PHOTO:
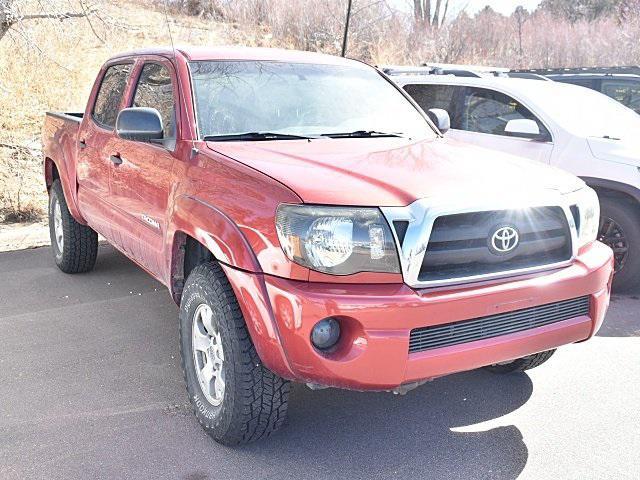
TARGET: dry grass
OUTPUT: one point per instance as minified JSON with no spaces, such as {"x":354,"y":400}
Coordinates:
{"x":53,"y":68}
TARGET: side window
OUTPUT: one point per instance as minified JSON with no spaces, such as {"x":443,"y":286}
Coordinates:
{"x":574,"y":81}
{"x":436,"y":96}
{"x":487,"y":111}
{"x":627,"y":93}
{"x":154,"y":90}
{"x":114,"y":82}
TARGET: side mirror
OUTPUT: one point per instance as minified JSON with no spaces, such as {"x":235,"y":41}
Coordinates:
{"x":522,"y":127}
{"x":140,"y":124}
{"x":441,"y":118}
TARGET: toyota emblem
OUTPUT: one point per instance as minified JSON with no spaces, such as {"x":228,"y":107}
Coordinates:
{"x":504,"y":239}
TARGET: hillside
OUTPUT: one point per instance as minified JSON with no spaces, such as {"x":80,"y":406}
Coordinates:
{"x":52,"y":65}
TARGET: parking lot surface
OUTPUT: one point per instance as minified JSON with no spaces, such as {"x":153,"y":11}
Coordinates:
{"x":91,"y":387}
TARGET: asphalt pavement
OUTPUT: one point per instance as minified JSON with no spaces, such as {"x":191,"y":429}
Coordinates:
{"x":91,"y":387}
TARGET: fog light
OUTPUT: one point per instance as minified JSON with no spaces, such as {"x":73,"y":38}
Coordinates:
{"x":325,"y":333}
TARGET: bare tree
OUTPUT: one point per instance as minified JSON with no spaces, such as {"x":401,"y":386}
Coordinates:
{"x":422,"y":13}
{"x":10,"y":16}
{"x":521,"y":16}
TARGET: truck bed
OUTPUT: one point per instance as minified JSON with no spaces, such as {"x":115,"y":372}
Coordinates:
{"x":71,"y":116}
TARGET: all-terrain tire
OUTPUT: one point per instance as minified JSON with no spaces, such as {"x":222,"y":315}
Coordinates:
{"x":628,"y":218}
{"x":255,"y":400}
{"x":78,"y":250}
{"x":522,"y":364}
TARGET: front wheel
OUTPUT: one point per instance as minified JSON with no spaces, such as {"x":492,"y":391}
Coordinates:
{"x":75,"y":246}
{"x":620,"y":230}
{"x":235,"y":398}
{"x":521,"y":364}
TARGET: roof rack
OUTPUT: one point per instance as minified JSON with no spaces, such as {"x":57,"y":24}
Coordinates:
{"x":634,"y":70}
{"x":527,"y":75}
{"x":429,"y":70}
{"x":469,"y":71}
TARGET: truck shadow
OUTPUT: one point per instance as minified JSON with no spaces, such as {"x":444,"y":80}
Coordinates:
{"x":341,"y":434}
{"x":622,"y":319}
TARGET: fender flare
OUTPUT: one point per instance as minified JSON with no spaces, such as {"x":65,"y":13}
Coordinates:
{"x":213,"y":229}
{"x":221,"y":236}
{"x":618,"y":187}
{"x":70,"y":193}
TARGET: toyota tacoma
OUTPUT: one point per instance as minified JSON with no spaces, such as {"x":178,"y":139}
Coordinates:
{"x":314,"y":225}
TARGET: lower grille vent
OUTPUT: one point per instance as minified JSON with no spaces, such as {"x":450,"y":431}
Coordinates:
{"x":427,"y":338}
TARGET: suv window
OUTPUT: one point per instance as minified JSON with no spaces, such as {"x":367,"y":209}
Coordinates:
{"x":574,"y":81}
{"x":107,"y":105}
{"x":432,"y":96}
{"x":488,"y":111}
{"x":627,"y":93}
{"x":154,"y":90}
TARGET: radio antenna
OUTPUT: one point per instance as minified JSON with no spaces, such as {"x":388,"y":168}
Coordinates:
{"x":194,"y":149}
{"x":166,"y":19}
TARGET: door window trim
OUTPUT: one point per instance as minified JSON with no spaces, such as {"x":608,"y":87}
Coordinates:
{"x":98,"y":123}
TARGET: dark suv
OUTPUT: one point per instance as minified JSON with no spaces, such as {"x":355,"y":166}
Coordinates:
{"x":620,"y":83}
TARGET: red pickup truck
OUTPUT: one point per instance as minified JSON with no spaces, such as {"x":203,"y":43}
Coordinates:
{"x":314,"y":225}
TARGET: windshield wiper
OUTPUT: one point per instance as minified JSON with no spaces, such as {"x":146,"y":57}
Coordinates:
{"x":362,"y":134}
{"x":255,"y":136}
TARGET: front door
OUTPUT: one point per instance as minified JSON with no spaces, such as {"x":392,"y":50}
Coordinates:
{"x":141,"y":179}
{"x":481,"y":120}
{"x":479,"y":117}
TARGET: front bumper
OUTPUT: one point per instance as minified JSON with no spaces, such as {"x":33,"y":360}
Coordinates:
{"x":376,"y":320}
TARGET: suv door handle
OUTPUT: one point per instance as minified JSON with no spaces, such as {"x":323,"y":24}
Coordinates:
{"x":116,"y":159}
{"x":82,"y":144}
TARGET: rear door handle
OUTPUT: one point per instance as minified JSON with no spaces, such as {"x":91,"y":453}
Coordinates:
{"x":116,"y":159}
{"x":82,"y":144}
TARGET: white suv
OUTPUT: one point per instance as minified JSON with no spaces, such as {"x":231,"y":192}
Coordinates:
{"x":571,"y":127}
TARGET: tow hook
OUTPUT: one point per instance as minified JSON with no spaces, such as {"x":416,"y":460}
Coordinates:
{"x":407,"y":387}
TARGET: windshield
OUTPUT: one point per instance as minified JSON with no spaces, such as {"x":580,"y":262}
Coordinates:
{"x":300,"y":99}
{"x":588,"y":113}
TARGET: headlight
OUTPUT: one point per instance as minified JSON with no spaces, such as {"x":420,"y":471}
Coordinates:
{"x":337,"y":240}
{"x":587,"y":218}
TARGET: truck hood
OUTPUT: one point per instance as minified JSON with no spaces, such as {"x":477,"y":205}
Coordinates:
{"x":392,"y":171}
{"x":625,"y":150}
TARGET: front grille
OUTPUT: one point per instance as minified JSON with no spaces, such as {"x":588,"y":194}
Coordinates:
{"x":460,"y":244}
{"x":438,"y":336}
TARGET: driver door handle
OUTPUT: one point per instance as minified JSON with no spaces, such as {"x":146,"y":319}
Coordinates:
{"x":116,"y":159}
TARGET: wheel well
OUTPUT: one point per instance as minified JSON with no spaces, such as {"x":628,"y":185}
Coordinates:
{"x":187,"y":253}
{"x":604,"y":192}
{"x":51,"y":172}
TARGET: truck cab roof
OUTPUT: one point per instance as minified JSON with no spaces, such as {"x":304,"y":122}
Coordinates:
{"x":190,"y":53}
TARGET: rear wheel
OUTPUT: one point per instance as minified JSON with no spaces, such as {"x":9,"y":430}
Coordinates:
{"x":74,"y":246}
{"x":235,"y":398}
{"x":521,"y":364}
{"x":620,"y":230}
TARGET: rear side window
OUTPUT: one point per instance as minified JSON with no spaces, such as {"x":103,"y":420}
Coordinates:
{"x":625,"y":92}
{"x":114,"y":82}
{"x":574,"y":81}
{"x":488,"y":111}
{"x":154,"y":90}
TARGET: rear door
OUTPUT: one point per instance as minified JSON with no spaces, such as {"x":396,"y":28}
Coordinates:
{"x":96,"y":137}
{"x":141,"y":183}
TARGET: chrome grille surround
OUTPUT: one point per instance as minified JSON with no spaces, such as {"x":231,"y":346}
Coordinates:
{"x":423,"y":213}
